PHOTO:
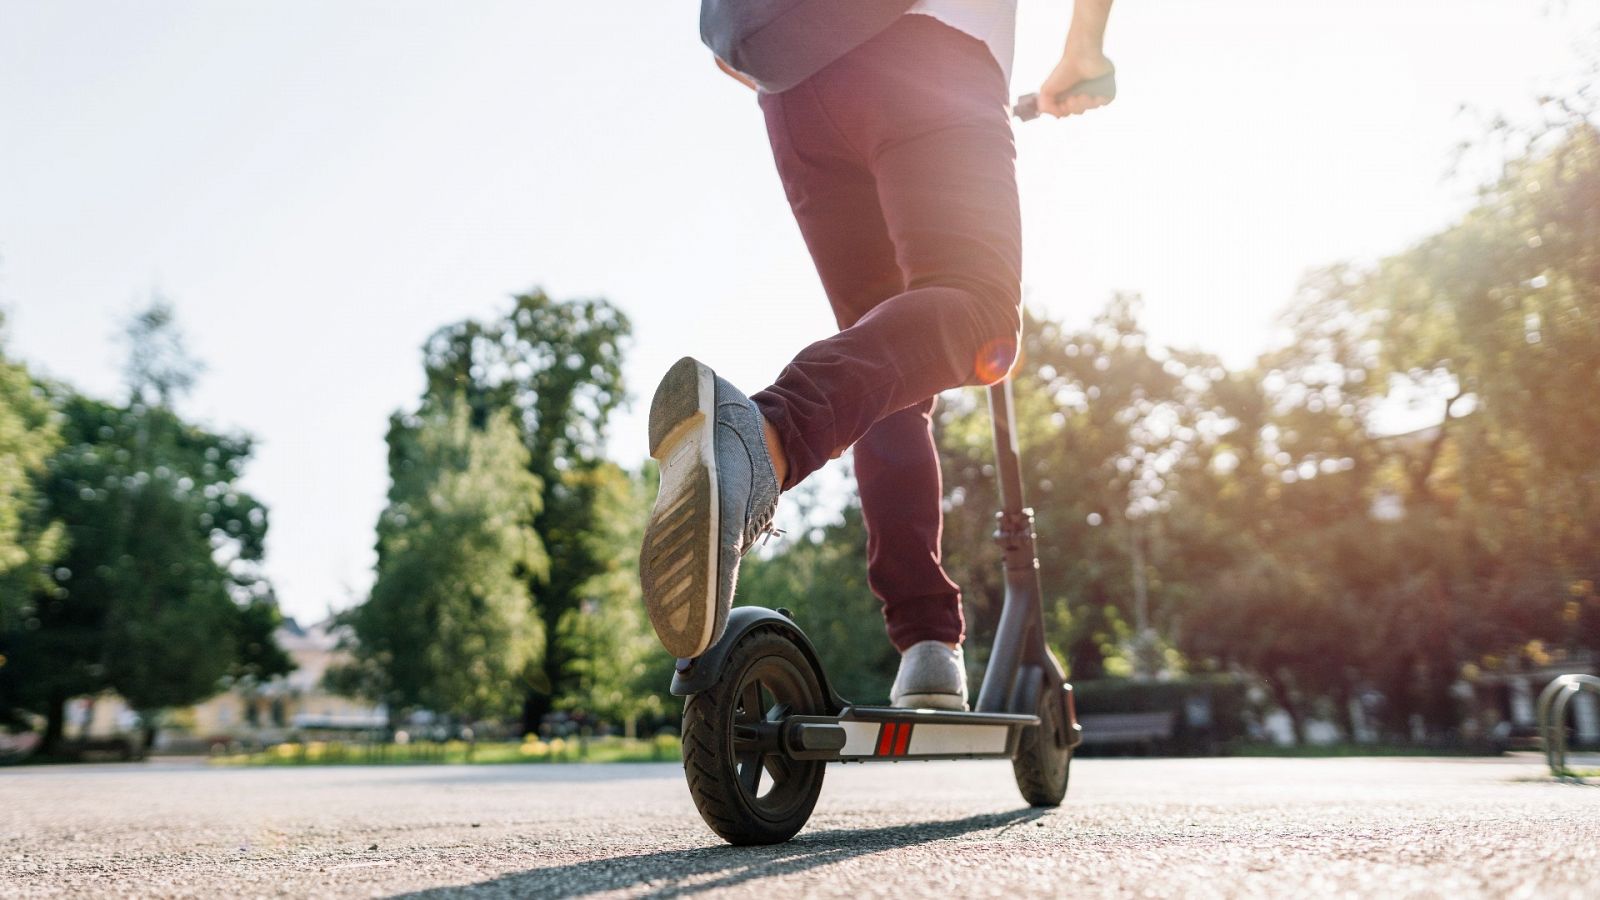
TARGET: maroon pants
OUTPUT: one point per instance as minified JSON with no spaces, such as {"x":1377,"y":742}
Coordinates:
{"x":899,"y":163}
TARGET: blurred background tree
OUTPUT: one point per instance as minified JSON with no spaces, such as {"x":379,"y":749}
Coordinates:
{"x":156,"y":590}
{"x":30,"y":540}
{"x":616,"y":670}
{"x":551,"y":372}
{"x":29,"y":434}
{"x":557,"y":367}
{"x":450,"y":625}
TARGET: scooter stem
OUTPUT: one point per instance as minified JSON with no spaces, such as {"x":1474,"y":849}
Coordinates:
{"x":1007,"y":459}
{"x":1019,"y":656}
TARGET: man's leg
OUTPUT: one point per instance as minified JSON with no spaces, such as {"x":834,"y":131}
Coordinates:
{"x":897,"y":471}
{"x":835,"y":201}
{"x":921,"y":106}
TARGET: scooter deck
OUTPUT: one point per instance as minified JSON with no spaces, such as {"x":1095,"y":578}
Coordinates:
{"x":889,"y":734}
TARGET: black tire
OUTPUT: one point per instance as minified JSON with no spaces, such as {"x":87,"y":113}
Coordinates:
{"x":730,"y":743}
{"x":1044,"y":758}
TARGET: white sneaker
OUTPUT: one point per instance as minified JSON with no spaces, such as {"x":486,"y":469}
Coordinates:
{"x":932,"y":676}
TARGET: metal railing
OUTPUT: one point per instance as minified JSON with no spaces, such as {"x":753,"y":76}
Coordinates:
{"x":1553,"y":717}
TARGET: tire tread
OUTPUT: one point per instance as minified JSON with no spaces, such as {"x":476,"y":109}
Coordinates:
{"x":708,"y":765}
{"x":1040,"y":772}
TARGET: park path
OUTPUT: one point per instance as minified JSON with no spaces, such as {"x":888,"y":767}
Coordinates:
{"x":1130,"y":828}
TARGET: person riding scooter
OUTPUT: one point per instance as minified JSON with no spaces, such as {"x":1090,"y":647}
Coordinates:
{"x":889,"y":126}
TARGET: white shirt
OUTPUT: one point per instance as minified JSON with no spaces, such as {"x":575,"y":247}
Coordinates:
{"x":992,"y":21}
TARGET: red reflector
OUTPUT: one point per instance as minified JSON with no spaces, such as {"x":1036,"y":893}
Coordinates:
{"x":885,"y":738}
{"x":902,"y":739}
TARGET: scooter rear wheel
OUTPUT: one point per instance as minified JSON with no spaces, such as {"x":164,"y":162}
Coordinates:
{"x":1044,"y":754}
{"x":742,"y":784}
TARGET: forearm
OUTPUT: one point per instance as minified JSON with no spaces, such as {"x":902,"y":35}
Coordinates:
{"x":1088,"y":30}
{"x":1078,"y":82}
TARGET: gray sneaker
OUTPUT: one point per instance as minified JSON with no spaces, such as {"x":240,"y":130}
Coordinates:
{"x":718,"y":494}
{"x":932,"y":676}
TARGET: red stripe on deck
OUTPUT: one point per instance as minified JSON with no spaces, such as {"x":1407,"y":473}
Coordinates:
{"x":902,"y":739}
{"x":885,"y":738}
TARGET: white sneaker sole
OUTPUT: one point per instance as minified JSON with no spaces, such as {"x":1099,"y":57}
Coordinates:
{"x":950,"y":702}
{"x":678,"y":562}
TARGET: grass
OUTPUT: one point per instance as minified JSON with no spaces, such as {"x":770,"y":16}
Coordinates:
{"x":557,"y":750}
{"x":1327,"y":751}
{"x":1579,"y":774}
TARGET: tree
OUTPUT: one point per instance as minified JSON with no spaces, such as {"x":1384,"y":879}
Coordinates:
{"x":159,"y":368}
{"x":29,"y":433}
{"x":557,"y":366}
{"x":29,"y":541}
{"x":1401,"y":561}
{"x":170,"y":622}
{"x":162,"y":551}
{"x":1099,"y":423}
{"x":1501,"y":313}
{"x":616,"y":669}
{"x":1270,"y":519}
{"x":450,"y":626}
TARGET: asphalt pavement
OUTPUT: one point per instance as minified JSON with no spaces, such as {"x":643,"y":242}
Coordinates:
{"x":1129,"y":828}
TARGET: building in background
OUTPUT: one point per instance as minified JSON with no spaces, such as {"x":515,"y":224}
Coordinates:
{"x":286,"y":707}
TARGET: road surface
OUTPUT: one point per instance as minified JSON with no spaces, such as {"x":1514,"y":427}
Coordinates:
{"x":1130,"y":828}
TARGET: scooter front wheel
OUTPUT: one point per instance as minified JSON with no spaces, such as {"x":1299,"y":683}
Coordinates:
{"x":1044,"y":754}
{"x":744,"y":786}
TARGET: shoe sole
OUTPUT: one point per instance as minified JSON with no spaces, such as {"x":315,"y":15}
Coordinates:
{"x":950,"y":702}
{"x":678,"y":562}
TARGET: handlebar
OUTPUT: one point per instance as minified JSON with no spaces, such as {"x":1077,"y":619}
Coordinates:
{"x":1027,"y":106}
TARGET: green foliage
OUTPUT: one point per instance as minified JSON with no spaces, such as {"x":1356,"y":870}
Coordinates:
{"x":158,"y":369}
{"x":450,"y":625}
{"x":1101,"y":422}
{"x":258,"y":658}
{"x":170,"y":623}
{"x":557,"y":366}
{"x":1505,"y":306}
{"x":158,"y":579}
{"x":29,"y":434}
{"x":617,"y":669}
{"x":1329,"y":558}
{"x":610,"y":749}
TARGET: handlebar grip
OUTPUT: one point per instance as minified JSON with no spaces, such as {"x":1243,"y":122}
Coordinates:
{"x":1027,"y":106}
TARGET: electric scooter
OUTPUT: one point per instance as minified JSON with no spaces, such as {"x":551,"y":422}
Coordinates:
{"x":760,"y":723}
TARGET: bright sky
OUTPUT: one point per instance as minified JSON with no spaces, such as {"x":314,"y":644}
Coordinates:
{"x":317,"y":186}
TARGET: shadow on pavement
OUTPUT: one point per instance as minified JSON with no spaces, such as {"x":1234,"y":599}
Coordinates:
{"x":667,"y":871}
